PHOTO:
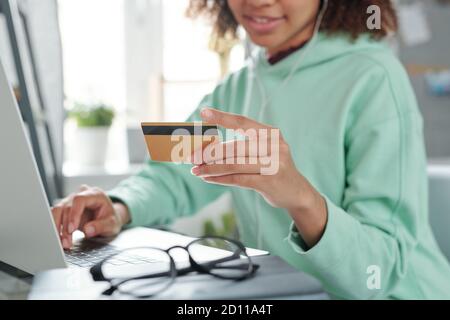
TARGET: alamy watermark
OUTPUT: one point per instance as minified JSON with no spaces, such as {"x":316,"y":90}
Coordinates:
{"x":259,"y":147}
{"x":374,"y":277}
{"x":374,"y":20}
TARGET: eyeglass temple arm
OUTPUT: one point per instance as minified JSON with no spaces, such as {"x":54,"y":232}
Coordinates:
{"x":235,"y":256}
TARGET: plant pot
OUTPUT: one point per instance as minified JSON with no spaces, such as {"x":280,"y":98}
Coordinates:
{"x":92,"y":145}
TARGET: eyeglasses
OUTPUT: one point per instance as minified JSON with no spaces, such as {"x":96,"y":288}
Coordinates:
{"x":216,"y":256}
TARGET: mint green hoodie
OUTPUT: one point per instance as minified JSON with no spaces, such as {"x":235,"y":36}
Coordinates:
{"x":352,"y":122}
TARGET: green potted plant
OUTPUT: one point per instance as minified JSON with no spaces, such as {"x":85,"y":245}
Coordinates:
{"x":93,"y":124}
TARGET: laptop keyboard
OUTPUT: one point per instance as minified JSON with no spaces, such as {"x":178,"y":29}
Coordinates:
{"x":87,"y":256}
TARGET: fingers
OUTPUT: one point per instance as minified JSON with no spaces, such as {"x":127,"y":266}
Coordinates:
{"x":66,"y":236}
{"x":59,"y":218}
{"x":81,"y":202}
{"x":247,"y":181}
{"x":85,"y":218}
{"x":230,"y":149}
{"x":230,"y":120}
{"x":77,"y":210}
{"x":242,"y":166}
{"x":104,"y":227}
{"x":261,"y":140}
{"x":233,"y":149}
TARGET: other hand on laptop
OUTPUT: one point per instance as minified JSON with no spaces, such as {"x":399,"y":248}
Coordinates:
{"x":90,"y":210}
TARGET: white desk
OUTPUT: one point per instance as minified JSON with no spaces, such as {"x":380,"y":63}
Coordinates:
{"x":78,"y":284}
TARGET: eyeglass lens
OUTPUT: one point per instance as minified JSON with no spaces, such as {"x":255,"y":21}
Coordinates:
{"x":132,"y":273}
{"x":221,"y":257}
{"x":141,"y":271}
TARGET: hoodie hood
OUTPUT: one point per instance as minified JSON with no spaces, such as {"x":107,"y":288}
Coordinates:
{"x":323,"y":49}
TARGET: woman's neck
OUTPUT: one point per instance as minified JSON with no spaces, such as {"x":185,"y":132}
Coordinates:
{"x":296,"y":41}
{"x":274,"y":59}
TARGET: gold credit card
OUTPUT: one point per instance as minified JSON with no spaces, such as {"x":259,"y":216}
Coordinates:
{"x":176,"y":141}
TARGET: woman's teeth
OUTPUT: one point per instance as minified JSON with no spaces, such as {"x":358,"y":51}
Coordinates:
{"x":261,"y":20}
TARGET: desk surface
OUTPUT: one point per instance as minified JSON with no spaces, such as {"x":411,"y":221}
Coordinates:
{"x":13,"y":286}
{"x":274,"y":280}
{"x":16,"y":285}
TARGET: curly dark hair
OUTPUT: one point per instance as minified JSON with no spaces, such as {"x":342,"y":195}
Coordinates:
{"x":342,"y":16}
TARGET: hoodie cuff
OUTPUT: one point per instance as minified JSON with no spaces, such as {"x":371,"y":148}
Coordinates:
{"x":335,"y":241}
{"x":119,"y":196}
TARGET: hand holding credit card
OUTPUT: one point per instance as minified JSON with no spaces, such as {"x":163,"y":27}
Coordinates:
{"x":176,"y":141}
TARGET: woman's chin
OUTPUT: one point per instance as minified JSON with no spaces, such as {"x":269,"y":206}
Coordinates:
{"x":266,"y":42}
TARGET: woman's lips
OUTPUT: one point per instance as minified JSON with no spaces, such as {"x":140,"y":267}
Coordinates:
{"x":261,"y":24}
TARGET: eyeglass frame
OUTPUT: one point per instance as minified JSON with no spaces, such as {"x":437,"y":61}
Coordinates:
{"x":202,"y":268}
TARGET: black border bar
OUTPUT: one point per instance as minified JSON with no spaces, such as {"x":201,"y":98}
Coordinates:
{"x":169,"y":130}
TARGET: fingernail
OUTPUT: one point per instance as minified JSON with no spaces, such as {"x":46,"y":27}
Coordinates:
{"x":66,"y":244}
{"x":71,"y":228}
{"x":90,"y":230}
{"x":195,"y":171}
{"x":207,"y":114}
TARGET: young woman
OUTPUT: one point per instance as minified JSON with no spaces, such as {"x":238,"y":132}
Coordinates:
{"x":349,"y":199}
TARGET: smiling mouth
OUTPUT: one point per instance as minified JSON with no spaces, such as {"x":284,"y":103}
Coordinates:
{"x":262,"y":20}
{"x":263,"y":24}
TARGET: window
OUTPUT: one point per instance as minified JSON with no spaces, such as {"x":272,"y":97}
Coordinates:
{"x":191,"y":69}
{"x":92,"y":36}
{"x":92,"y":33}
{"x":144,"y":57}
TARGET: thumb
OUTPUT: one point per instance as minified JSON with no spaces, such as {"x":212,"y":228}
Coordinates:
{"x":100,"y":227}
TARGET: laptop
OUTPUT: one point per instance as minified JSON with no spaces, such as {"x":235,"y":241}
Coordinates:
{"x":28,"y":237}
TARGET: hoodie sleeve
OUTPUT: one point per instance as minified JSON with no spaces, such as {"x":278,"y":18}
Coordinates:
{"x":162,"y":192}
{"x":369,"y":236}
